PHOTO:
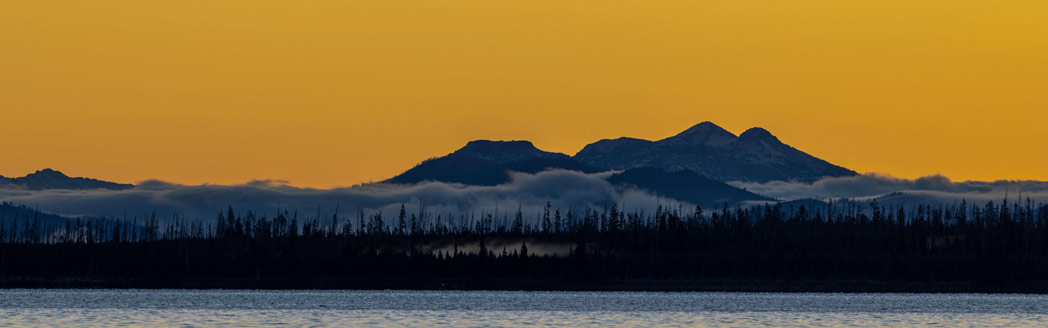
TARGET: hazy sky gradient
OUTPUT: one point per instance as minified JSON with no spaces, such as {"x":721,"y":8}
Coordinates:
{"x":328,"y":93}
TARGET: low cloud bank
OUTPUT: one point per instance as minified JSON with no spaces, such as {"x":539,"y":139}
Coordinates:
{"x":530,"y":192}
{"x":935,"y":187}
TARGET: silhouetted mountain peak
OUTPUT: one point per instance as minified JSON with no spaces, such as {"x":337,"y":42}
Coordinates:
{"x":488,"y":162}
{"x":47,"y":173}
{"x":759,"y":134}
{"x":705,"y":133}
{"x":503,"y":152}
{"x":52,"y":179}
{"x":483,"y":145}
{"x":605,"y":145}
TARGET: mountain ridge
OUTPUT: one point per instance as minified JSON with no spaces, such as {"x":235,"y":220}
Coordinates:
{"x":488,"y":163}
{"x":705,"y":148}
{"x":47,"y":179}
{"x":691,"y":165}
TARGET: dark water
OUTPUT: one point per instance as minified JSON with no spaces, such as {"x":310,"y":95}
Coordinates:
{"x":108,"y":308}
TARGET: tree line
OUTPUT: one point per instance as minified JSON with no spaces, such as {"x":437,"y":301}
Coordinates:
{"x":992,"y":246}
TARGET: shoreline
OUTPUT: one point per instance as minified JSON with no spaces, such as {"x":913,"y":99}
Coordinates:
{"x":800,"y":286}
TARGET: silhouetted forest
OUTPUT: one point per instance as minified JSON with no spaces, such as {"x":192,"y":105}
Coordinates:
{"x":997,"y":246}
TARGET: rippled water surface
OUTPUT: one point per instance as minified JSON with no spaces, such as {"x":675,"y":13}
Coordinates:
{"x":108,"y":308}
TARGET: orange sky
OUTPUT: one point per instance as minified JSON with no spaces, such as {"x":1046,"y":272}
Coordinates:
{"x":335,"y":92}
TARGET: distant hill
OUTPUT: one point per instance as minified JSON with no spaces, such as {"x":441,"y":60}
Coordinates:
{"x":709,"y":150}
{"x":685,"y":186}
{"x":487,"y":163}
{"x":51,"y":179}
{"x":21,"y":222}
{"x":21,"y":219}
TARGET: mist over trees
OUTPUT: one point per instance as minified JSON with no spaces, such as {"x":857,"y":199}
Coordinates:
{"x":992,"y":246}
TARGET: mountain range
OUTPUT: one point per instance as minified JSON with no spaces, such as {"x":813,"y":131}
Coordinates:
{"x":51,"y":179}
{"x":690,"y":166}
{"x":756,"y":155}
{"x":488,"y":163}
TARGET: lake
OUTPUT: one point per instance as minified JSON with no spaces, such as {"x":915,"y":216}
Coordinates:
{"x":109,"y":308}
